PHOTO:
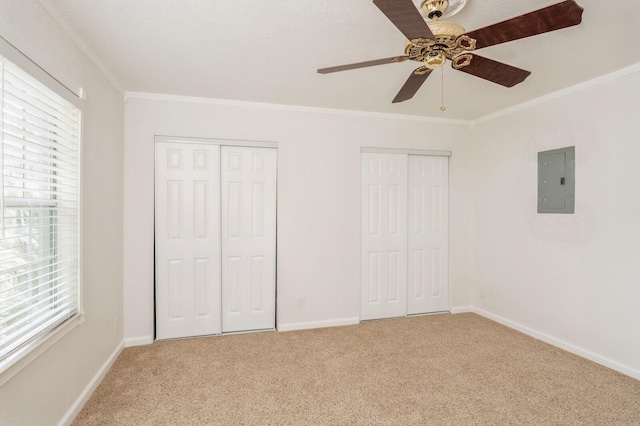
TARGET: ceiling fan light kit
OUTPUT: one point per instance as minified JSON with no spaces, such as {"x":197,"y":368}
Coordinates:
{"x":436,"y":42}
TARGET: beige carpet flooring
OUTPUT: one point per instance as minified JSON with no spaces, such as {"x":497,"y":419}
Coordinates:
{"x":442,"y":370}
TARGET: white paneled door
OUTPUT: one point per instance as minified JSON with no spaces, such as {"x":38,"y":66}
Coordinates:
{"x":428,"y":275}
{"x":404,"y":247}
{"x":248,"y":238}
{"x":187,"y":227}
{"x":215,"y":246}
{"x":383,"y":264}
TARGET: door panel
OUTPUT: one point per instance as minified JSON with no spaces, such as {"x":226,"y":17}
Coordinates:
{"x":248,"y":238}
{"x":428,"y":234}
{"x":187,"y":240}
{"x":384,"y":236}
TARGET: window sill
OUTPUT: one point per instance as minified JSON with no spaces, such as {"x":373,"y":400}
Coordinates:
{"x":21,"y":358}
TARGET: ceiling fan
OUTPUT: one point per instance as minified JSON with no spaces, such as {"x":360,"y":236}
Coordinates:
{"x":436,"y":42}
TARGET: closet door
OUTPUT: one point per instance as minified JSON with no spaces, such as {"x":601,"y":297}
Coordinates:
{"x":428,"y":234}
{"x":384,"y":236}
{"x":187,"y":232}
{"x":248,"y":238}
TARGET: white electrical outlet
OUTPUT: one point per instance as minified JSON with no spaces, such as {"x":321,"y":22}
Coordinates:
{"x":300,"y":303}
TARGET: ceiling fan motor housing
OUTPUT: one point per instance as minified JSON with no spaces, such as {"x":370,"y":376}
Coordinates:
{"x":448,"y":43}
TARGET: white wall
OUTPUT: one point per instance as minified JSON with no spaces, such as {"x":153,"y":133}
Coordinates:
{"x":44,"y":391}
{"x":573,"y":279}
{"x":318,"y":199}
{"x":570,"y":278}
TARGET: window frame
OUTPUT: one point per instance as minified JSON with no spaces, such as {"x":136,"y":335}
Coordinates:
{"x":21,"y":357}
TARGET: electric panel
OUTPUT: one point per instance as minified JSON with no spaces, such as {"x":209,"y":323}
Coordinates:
{"x":556,"y":181}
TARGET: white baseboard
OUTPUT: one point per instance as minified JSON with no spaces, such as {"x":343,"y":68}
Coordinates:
{"x":318,"y":324}
{"x":462,"y":309}
{"x":576,"y":350}
{"x":74,"y":410}
{"x":138,"y":341}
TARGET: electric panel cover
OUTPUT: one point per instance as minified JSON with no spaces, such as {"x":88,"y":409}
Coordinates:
{"x":557,"y":180}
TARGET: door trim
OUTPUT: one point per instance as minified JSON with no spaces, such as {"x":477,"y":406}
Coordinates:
{"x":216,"y":141}
{"x":408,"y":152}
{"x":427,"y":152}
{"x":159,"y":139}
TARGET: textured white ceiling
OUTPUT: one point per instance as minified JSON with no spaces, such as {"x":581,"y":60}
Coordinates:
{"x":268,"y":51}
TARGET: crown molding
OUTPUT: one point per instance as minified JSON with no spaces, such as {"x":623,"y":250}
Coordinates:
{"x":598,"y":81}
{"x":290,"y":108}
{"x":57,"y":16}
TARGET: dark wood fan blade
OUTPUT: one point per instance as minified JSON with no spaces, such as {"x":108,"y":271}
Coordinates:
{"x":491,"y":70}
{"x":405,"y":16}
{"x":413,"y":83}
{"x":555,"y":17}
{"x":363,"y":64}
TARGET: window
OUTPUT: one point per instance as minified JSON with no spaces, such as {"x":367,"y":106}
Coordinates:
{"x":39,"y":213}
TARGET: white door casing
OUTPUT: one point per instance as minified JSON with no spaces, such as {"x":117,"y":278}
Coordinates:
{"x":187,"y":232}
{"x":404,"y":259}
{"x":383,"y":236}
{"x":428,"y":234}
{"x":248,"y":238}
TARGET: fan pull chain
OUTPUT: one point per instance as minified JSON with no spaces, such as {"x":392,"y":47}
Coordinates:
{"x":442,"y":107}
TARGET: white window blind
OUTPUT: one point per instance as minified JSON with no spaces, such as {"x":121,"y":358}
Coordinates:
{"x":39,"y":211}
